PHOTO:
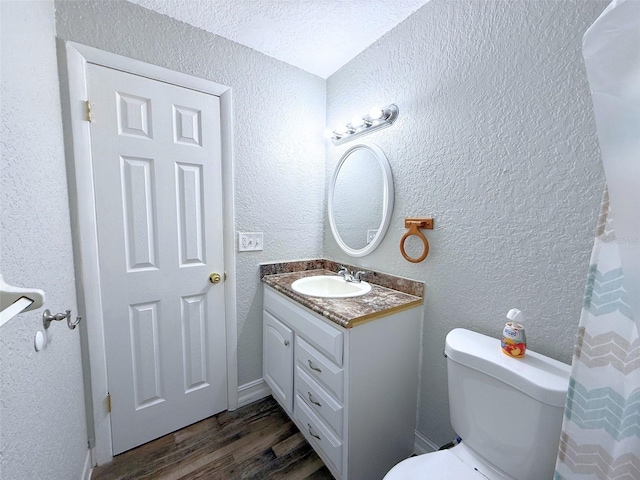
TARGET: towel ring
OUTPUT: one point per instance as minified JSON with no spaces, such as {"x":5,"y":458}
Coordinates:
{"x":414,"y":225}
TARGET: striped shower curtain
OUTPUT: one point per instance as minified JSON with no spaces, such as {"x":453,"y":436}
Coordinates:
{"x":600,"y":437}
{"x":601,"y":430}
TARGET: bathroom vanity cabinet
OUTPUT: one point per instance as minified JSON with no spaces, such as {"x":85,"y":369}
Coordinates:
{"x":352,"y":392}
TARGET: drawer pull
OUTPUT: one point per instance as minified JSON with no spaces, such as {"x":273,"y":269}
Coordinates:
{"x":311,"y":432}
{"x":314,"y":401}
{"x":286,"y":343}
{"x":312,"y":367}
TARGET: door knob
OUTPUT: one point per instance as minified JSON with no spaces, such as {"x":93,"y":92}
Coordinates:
{"x":215,"y":278}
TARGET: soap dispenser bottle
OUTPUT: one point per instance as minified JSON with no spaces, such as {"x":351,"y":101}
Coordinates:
{"x":514,"y":341}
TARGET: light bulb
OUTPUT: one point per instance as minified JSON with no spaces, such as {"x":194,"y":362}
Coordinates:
{"x":357,"y":121}
{"x":342,"y":129}
{"x":376,"y":113}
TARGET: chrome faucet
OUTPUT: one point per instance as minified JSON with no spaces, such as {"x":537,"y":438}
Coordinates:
{"x":344,"y":273}
{"x":350,"y":277}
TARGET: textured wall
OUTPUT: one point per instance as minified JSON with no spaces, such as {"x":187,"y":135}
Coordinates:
{"x":43,"y":433}
{"x":496,"y":141}
{"x":278,"y":118}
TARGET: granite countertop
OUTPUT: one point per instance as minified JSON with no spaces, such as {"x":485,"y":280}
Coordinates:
{"x":346,"y":312}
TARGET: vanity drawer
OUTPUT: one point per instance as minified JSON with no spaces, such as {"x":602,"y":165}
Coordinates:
{"x":328,"y":446}
{"x":319,"y":401}
{"x":325,"y":337}
{"x":320,"y":368}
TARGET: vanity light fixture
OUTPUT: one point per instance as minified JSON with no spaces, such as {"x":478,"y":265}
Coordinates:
{"x":376,"y":119}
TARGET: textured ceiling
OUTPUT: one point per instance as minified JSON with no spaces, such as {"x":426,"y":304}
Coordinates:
{"x":319,"y":36}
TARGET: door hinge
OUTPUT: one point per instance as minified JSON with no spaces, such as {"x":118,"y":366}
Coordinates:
{"x":108,"y":400}
{"x":88,"y":105}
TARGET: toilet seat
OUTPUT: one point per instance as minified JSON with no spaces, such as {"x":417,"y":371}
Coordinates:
{"x":441,"y":465}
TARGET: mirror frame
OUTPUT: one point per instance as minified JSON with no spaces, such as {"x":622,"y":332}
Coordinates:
{"x":387,"y":200}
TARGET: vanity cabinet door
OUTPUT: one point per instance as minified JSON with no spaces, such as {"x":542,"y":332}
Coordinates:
{"x":278,"y":360}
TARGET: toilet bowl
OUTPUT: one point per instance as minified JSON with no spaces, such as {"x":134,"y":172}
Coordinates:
{"x":508,"y":412}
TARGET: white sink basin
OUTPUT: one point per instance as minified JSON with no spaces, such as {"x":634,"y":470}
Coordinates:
{"x":330,"y":286}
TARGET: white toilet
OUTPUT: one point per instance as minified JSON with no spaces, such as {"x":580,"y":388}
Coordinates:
{"x":507,"y":411}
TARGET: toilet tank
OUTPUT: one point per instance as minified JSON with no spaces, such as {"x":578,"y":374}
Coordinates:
{"x":507,"y":410}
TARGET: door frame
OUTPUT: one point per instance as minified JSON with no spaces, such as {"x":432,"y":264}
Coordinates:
{"x":73,"y":59}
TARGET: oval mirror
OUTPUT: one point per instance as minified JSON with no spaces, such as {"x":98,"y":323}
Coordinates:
{"x":360,"y":199}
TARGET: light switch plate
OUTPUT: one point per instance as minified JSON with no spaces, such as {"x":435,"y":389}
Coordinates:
{"x":250,"y":241}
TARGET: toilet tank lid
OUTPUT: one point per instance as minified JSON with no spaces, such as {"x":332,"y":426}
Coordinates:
{"x":540,"y":377}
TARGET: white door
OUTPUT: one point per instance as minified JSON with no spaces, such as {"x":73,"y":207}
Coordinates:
{"x":156,"y":157}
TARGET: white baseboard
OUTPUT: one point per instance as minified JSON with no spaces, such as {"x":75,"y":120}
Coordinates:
{"x":252,"y":391}
{"x":423,"y":445}
{"x":87,"y":469}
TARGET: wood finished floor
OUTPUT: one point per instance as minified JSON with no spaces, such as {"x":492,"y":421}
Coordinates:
{"x":258,"y":441}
